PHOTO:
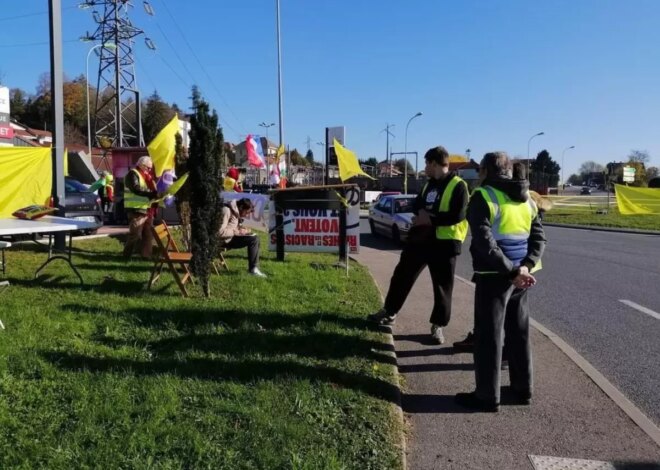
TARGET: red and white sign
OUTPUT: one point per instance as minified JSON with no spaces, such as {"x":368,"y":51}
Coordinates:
{"x":317,"y":230}
{"x":6,"y":132}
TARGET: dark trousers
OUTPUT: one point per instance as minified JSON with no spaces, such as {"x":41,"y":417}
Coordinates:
{"x":500,"y":309}
{"x":252,"y":243}
{"x":414,"y":258}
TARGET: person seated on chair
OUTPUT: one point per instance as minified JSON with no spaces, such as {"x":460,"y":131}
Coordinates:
{"x":233,"y":234}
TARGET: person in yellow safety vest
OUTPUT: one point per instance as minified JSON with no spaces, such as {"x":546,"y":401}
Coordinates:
{"x":139,"y":191}
{"x":507,"y":245}
{"x":435,"y":238}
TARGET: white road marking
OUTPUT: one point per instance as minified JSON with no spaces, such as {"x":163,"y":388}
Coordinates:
{"x":640,"y":308}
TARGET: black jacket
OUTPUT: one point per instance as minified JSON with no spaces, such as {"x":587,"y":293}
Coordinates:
{"x":457,"y":208}
{"x":486,"y":255}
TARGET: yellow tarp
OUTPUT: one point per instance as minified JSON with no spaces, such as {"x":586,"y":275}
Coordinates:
{"x":162,"y":148}
{"x":348,"y":162}
{"x":26,"y":178}
{"x":635,"y":201}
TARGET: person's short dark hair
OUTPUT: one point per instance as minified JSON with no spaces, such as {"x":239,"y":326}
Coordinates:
{"x":437,"y":154}
{"x":496,"y":164}
{"x":244,"y":204}
{"x":519,"y":171}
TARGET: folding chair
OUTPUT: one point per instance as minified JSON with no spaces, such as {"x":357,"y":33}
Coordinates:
{"x":221,"y":261}
{"x":168,"y":253}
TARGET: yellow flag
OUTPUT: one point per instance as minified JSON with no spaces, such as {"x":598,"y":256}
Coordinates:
{"x":66,"y":162}
{"x":162,"y":148}
{"x":634,"y":201}
{"x":348,"y":162}
{"x":280,"y":151}
{"x":26,"y":177}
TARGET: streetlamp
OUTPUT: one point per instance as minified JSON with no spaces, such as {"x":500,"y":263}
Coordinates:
{"x":563,"y":181}
{"x":405,"y":155}
{"x":528,"y":142}
{"x":107,"y":45}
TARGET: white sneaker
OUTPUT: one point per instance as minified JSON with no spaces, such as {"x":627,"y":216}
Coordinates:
{"x":256,"y":272}
{"x":436,"y":334}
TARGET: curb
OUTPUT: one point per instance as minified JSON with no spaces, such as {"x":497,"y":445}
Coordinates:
{"x":603,"y":229}
{"x":635,"y":414}
{"x":398,"y":406}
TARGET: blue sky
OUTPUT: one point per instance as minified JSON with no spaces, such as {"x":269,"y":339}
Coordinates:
{"x":486,"y":74}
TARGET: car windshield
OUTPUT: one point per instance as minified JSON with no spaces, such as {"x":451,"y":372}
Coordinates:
{"x":73,"y":186}
{"x":403,"y":205}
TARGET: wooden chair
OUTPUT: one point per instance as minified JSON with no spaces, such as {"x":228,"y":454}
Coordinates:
{"x":221,"y":261}
{"x":169,"y":254}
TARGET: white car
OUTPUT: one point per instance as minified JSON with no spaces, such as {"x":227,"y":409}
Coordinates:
{"x":392,"y":216}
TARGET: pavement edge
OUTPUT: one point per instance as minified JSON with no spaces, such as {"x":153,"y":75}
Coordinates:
{"x":398,"y":405}
{"x":634,"y":413}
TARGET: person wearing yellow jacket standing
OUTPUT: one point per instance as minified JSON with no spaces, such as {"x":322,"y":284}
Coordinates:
{"x":139,"y":192}
{"x":435,"y":239}
{"x":507,"y":244}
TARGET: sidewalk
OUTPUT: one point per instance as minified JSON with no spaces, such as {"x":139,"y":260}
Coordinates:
{"x":570,"y":416}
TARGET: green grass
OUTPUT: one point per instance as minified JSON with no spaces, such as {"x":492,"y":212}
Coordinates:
{"x":589,"y":216}
{"x":277,"y":373}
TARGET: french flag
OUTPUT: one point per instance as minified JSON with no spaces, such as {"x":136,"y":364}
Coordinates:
{"x":255,"y":153}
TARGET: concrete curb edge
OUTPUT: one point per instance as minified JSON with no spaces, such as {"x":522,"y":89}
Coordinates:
{"x":398,"y":406}
{"x":634,"y":413}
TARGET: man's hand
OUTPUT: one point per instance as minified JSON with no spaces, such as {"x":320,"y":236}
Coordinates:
{"x":422,"y":218}
{"x":524,"y":279}
{"x":244,"y":231}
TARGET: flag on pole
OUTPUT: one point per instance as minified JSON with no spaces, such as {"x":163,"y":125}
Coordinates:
{"x":255,"y":152}
{"x":636,"y":201}
{"x":348,"y":162}
{"x":66,"y":161}
{"x":162,"y":148}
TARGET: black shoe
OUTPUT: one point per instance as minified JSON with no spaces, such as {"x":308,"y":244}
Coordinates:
{"x":471,"y":401}
{"x":467,"y":345}
{"x":521,"y":398}
{"x":382,"y":317}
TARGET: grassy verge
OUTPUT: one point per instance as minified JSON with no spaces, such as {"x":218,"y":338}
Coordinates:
{"x":269,"y":373}
{"x":589,"y":216}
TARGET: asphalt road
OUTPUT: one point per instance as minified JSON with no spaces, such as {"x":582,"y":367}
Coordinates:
{"x":586,"y":274}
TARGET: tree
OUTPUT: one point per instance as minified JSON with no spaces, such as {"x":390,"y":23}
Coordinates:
{"x":575,"y":179}
{"x":206,"y":141}
{"x":545,"y":171}
{"x":155,"y":115}
{"x":402,"y":163}
{"x":17,"y":103}
{"x":297,"y":159}
{"x":182,"y":199}
{"x":591,"y":167}
{"x":75,"y":108}
{"x":639,"y":156}
{"x":373,"y":161}
{"x":309,"y":156}
{"x":652,"y":172}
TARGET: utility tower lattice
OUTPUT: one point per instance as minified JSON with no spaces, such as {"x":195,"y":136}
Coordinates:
{"x":117,"y":109}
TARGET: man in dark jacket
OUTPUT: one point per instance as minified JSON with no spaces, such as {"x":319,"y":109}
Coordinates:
{"x":139,"y":193}
{"x":435,"y":239}
{"x":507,"y":245}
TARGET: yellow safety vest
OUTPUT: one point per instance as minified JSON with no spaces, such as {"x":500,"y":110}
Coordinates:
{"x":132,"y":200}
{"x":511,"y":223}
{"x":450,"y":232}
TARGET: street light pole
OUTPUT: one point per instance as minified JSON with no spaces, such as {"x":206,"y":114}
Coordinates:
{"x":279,"y":73}
{"x":405,"y":155}
{"x":107,"y":45}
{"x":563,"y":181}
{"x":528,"y":142}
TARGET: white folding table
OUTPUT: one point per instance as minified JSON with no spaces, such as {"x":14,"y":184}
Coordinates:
{"x":47,"y":225}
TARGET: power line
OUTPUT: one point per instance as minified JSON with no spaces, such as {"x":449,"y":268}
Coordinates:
{"x":28,"y":15}
{"x":176,"y":24}
{"x":30,"y":44}
{"x":176,"y":53}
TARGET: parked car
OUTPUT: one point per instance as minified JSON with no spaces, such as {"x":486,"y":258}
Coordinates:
{"x":385,"y":193}
{"x":392,"y":216}
{"x":585,"y":190}
{"x":81,"y":204}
